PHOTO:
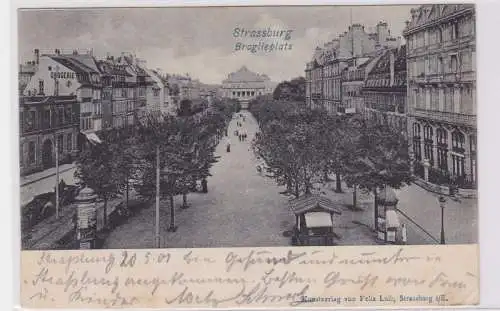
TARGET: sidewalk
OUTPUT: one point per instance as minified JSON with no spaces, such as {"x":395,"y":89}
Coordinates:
{"x":45,"y":181}
{"x":354,"y":227}
{"x":31,"y":178}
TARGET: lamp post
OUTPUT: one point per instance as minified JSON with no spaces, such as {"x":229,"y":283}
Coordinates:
{"x":157,"y":209}
{"x":57,"y":174}
{"x":442,"y":202}
{"x":56,"y":138}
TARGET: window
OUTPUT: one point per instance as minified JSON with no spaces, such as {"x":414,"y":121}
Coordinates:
{"x":457,"y":141}
{"x":453,"y":63}
{"x":458,"y":165}
{"x":41,"y":90}
{"x":473,"y":148}
{"x":68,"y":115}
{"x":30,"y":120}
{"x":60,"y":144}
{"x":473,"y":144}
{"x":46,"y":119}
{"x":69,"y":142}
{"x":416,"y":142}
{"x":428,"y":142}
{"x":448,"y":99}
{"x":455,"y":31}
{"x":31,"y":152}
{"x":60,"y":116}
{"x":442,"y":148}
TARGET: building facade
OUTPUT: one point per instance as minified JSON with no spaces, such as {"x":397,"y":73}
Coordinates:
{"x":71,"y":74}
{"x":46,"y":122}
{"x":384,"y":91}
{"x":353,"y":81}
{"x":324,"y":71}
{"x":441,"y":61}
{"x":245,"y":85}
{"x":324,"y":81}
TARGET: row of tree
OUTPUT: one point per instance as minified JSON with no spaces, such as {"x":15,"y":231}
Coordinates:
{"x":161,"y":155}
{"x":303,"y":147}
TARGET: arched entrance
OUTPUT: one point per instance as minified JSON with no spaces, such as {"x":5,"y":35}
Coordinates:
{"x":47,"y":154}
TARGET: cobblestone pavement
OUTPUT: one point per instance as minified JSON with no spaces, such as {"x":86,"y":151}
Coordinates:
{"x":240,"y":209}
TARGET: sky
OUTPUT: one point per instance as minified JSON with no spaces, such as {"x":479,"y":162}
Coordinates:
{"x":200,"y":41}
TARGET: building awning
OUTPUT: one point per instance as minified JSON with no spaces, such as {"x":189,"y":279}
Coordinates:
{"x":391,"y":219}
{"x":312,"y":202}
{"x":93,"y":138}
{"x":318,"y":219}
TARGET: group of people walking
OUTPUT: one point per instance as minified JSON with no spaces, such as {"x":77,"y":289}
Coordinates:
{"x":239,"y":132}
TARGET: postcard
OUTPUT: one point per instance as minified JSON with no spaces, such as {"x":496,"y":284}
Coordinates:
{"x":248,"y":156}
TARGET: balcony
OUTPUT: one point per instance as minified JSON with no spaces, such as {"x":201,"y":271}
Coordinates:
{"x":447,"y":77}
{"x":447,"y":117}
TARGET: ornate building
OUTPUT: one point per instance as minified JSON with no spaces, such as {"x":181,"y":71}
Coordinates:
{"x":244,"y":85}
{"x":324,"y":71}
{"x":384,"y":92}
{"x":46,"y":122}
{"x":442,"y":92}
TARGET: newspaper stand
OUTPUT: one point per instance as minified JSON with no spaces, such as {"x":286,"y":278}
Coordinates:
{"x":387,"y":218}
{"x":86,"y":218}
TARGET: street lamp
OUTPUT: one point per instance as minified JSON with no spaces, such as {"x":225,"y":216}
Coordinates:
{"x":442,"y":202}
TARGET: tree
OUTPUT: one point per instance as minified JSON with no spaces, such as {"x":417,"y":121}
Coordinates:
{"x":293,"y":90}
{"x":380,"y":159}
{"x":185,"y":108}
{"x":287,"y":143}
{"x":96,"y":169}
{"x":126,"y":159}
{"x":158,"y":138}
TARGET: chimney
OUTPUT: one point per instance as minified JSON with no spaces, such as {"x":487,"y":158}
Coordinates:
{"x":37,"y":56}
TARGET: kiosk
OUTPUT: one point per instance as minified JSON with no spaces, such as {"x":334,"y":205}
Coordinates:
{"x":313,"y":220}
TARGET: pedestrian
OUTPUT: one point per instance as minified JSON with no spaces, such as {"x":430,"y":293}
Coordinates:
{"x":228,"y":145}
{"x":404,"y":237}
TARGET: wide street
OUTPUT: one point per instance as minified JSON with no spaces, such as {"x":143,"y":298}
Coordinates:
{"x":243,"y":208}
{"x":240,"y":209}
